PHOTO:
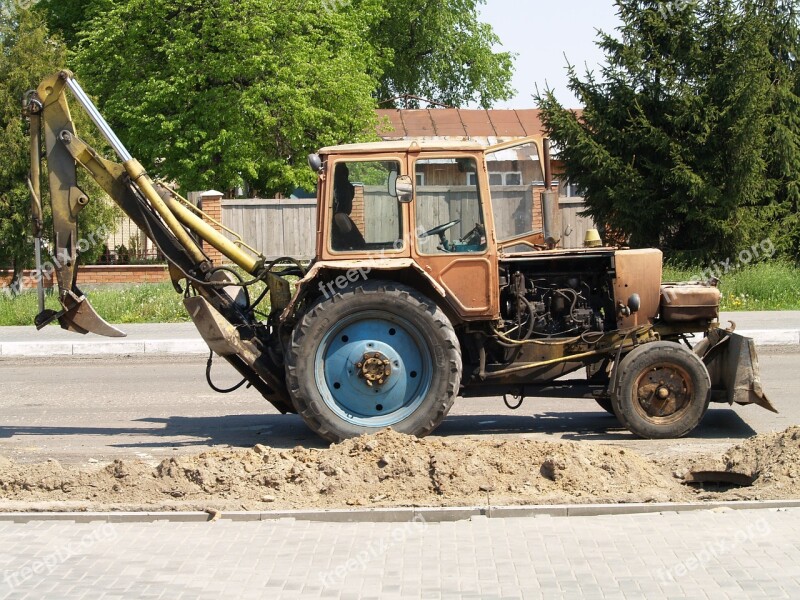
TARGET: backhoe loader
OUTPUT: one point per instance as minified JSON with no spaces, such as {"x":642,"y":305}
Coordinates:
{"x":430,"y":282}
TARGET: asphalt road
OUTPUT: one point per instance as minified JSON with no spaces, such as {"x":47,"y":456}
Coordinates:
{"x":77,"y":410}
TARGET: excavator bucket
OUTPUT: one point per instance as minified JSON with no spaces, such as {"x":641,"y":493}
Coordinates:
{"x":78,"y":316}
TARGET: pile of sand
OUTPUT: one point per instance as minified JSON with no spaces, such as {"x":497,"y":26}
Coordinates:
{"x":391,"y":469}
{"x":386,"y":469}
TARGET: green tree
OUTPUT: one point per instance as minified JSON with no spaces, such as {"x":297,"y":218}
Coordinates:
{"x":779,"y":208}
{"x":672,"y":145}
{"x":436,"y":50}
{"x":67,"y":17}
{"x":230,"y":92}
{"x":439,"y":51}
{"x":27,"y":55}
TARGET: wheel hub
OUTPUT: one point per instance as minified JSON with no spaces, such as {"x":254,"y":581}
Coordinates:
{"x":375,"y":368}
{"x":373,"y":371}
{"x":663,"y":392}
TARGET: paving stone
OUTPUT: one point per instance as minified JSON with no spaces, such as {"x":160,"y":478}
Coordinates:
{"x":626,"y":556}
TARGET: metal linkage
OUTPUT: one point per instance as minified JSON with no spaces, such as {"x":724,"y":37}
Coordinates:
{"x":96,"y":117}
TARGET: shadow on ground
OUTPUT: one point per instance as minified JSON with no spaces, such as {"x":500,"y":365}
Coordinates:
{"x":719,"y":423}
{"x":288,"y":431}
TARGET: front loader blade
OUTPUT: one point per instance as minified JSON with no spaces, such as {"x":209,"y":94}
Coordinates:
{"x":732,"y":364}
{"x":78,"y":316}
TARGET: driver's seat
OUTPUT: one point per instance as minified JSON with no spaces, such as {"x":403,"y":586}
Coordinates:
{"x":345,"y":233}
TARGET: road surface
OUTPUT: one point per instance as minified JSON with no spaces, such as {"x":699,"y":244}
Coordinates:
{"x":77,"y":409}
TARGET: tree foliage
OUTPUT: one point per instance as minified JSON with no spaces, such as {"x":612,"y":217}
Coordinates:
{"x":439,"y":51}
{"x":27,"y":55}
{"x":435,"y":50}
{"x":67,"y":17}
{"x":222,"y":93}
{"x":687,"y":140}
{"x":780,"y":207}
{"x":230,"y":92}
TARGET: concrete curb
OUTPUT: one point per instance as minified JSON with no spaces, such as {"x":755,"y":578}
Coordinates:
{"x":103,"y":348}
{"x":122,"y":347}
{"x":399,"y":515}
{"x":774,"y":337}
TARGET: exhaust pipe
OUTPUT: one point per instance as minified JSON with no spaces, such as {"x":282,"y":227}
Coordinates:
{"x":551,"y":213}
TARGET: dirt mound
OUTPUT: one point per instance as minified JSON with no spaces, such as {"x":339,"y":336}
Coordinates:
{"x":391,"y":469}
{"x":771,"y":460}
{"x":386,"y":469}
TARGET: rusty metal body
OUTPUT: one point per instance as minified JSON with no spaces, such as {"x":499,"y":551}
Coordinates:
{"x":409,"y":215}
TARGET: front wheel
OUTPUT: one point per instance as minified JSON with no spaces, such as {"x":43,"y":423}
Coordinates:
{"x":663,"y":391}
{"x":606,"y":405}
{"x":377,"y":355}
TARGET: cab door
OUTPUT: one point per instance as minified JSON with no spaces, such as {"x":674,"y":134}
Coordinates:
{"x":454,"y":232}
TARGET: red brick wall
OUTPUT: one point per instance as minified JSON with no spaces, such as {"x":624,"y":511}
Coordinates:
{"x":123,"y":274}
{"x":537,"y":218}
{"x":99,"y":274}
{"x":357,"y":214}
{"x":211,"y":204}
{"x":29,"y":278}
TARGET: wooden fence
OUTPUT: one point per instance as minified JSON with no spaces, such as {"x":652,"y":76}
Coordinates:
{"x":288,"y":227}
{"x":275,"y":227}
{"x":573,"y":225}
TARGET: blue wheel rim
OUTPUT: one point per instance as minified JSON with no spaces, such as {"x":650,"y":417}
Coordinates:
{"x":343,"y":385}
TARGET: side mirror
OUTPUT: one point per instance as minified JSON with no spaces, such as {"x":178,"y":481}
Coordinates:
{"x":404,"y":188}
{"x":315,"y":162}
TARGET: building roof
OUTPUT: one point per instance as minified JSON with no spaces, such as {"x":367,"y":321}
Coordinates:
{"x":403,"y":145}
{"x":456,"y":123}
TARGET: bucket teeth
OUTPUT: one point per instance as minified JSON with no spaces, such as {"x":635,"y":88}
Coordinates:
{"x":78,"y":316}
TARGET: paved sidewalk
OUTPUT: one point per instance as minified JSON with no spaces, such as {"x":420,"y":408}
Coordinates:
{"x":706,"y":554}
{"x":767,"y":328}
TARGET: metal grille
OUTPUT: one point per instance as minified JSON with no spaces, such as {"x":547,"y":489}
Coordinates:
{"x":128,"y":245}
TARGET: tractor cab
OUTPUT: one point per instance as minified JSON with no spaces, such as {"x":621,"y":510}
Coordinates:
{"x":444,"y":207}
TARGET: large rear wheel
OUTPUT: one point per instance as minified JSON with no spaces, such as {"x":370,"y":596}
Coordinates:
{"x":663,"y":391}
{"x":377,"y":355}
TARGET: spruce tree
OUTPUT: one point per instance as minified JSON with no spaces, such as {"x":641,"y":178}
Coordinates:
{"x":779,"y":206}
{"x":671,"y":144}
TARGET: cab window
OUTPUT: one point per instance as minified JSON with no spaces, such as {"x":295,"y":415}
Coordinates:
{"x":366,"y":215}
{"x":448,"y":207}
{"x":514,"y":176}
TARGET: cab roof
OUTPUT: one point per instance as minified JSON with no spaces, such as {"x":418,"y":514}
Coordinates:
{"x":404,"y":146}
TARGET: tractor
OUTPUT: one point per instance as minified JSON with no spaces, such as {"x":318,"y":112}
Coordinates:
{"x":431,"y":281}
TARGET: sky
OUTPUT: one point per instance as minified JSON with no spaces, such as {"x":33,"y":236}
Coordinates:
{"x":541,"y":34}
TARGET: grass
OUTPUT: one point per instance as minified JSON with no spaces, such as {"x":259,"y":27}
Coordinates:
{"x":762,"y":286}
{"x":143,"y":303}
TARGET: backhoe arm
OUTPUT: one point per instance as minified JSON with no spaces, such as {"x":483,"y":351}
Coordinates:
{"x":50,"y":119}
{"x":67,"y":202}
{"x":227,"y":323}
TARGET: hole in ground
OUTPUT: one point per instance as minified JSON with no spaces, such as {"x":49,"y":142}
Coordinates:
{"x":718,"y":481}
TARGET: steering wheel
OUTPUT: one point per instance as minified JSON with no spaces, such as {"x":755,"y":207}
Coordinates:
{"x":440,"y":229}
